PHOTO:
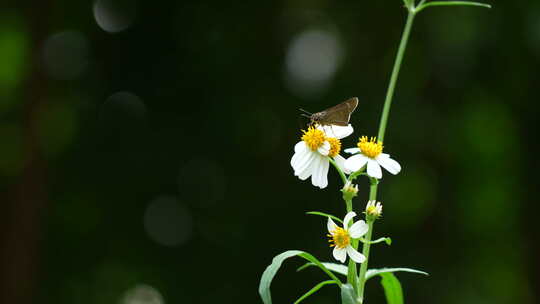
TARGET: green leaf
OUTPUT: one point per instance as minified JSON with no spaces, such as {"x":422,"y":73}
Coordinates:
{"x":392,"y":288}
{"x":451,"y":3}
{"x":347,"y":294}
{"x":314,"y":290}
{"x":342,"y":269}
{"x":387,"y":240}
{"x":271,"y":270}
{"x":373,"y":272}
{"x":335,"y":218}
{"x":337,"y":268}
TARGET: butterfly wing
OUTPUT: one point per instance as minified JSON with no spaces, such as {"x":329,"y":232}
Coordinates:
{"x":339,"y":114}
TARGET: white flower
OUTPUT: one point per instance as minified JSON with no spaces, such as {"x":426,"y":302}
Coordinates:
{"x":370,"y":153}
{"x":311,"y":153}
{"x":341,"y":238}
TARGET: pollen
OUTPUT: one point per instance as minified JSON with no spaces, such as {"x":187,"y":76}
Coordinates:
{"x":370,"y":147}
{"x":340,"y":238}
{"x":335,"y":146}
{"x":313,"y":138}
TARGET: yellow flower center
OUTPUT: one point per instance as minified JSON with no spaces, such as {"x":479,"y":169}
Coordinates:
{"x":340,"y":238}
{"x":370,"y":147}
{"x":313,"y":138}
{"x":372,"y":210}
{"x":335,"y":146}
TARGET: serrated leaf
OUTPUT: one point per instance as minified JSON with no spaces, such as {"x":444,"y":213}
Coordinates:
{"x":348,"y":295}
{"x":271,"y":270}
{"x":314,"y":290}
{"x":373,"y":272}
{"x":392,"y":288}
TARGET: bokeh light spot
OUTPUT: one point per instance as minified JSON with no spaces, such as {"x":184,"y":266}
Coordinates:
{"x":13,"y":57}
{"x":114,"y":16}
{"x":123,"y":111}
{"x":312,"y":60}
{"x":65,"y":55}
{"x":167,"y":222}
{"x":142,"y":294}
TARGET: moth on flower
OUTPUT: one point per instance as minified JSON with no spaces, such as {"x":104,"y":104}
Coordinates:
{"x":369,"y":152}
{"x":340,"y":238}
{"x":311,"y":153}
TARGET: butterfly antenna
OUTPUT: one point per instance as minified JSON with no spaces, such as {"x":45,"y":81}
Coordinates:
{"x":306,"y":112}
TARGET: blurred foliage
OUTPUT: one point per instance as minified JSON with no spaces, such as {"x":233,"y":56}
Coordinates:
{"x":192,"y":102}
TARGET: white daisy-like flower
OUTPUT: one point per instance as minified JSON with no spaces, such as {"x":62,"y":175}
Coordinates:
{"x":369,"y":152}
{"x":311,"y":153}
{"x":340,"y":238}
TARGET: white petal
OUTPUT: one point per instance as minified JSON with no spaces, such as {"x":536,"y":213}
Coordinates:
{"x":340,"y":162}
{"x":323,"y":177}
{"x":373,"y":169}
{"x":299,"y":159}
{"x":338,"y":132}
{"x":355,"y":162}
{"x":358,"y":229}
{"x":300,"y":146}
{"x":304,"y":172}
{"x":296,"y":157}
{"x":355,"y":255}
{"x":331,"y":226}
{"x":383,"y":155}
{"x":325,"y":148}
{"x":320,"y":172}
{"x":389,"y":164}
{"x":352,"y":150}
{"x":317,"y":163}
{"x":349,"y":216}
{"x":340,"y":254}
{"x":302,"y":161}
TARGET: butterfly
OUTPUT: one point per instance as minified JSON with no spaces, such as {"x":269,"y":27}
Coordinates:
{"x":338,"y":115}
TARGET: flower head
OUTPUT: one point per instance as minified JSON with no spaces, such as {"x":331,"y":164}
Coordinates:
{"x":349,"y":190}
{"x":312,"y":152}
{"x":374,"y":209}
{"x":340,"y":238}
{"x":369,"y":152}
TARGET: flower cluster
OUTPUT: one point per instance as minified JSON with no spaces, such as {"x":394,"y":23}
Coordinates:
{"x":320,"y":143}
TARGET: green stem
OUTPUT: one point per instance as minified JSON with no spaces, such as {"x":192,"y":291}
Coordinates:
{"x":363,"y":266}
{"x":341,"y":174}
{"x":395,"y":73}
{"x":352,"y":276}
{"x":382,"y":130}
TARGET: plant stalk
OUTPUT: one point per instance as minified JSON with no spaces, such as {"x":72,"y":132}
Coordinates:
{"x":380,"y":136}
{"x":352,"y":277}
{"x":395,"y":73}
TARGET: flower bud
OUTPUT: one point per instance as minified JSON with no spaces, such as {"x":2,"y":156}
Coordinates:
{"x":349,"y":191}
{"x":373,"y":210}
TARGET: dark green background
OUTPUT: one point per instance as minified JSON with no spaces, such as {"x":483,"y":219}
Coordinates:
{"x":207,"y":131}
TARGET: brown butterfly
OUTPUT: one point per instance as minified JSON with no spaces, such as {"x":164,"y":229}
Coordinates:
{"x":338,"y":115}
